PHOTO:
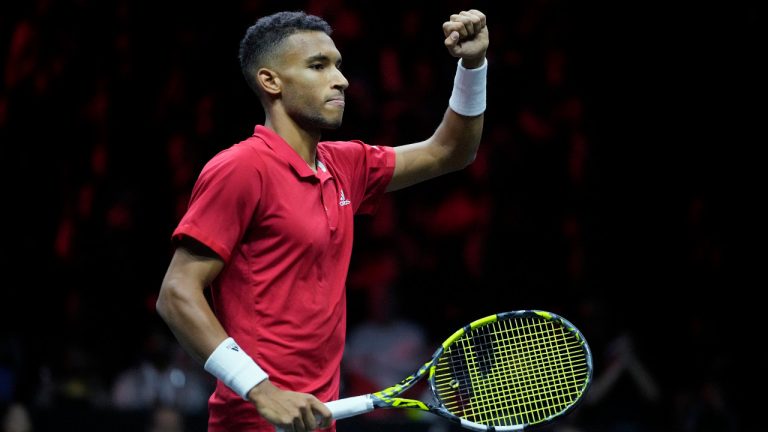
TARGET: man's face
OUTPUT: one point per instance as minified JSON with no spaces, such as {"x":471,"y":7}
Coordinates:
{"x":313,"y":85}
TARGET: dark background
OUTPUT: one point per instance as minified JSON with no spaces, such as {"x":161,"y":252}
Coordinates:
{"x":616,"y":184}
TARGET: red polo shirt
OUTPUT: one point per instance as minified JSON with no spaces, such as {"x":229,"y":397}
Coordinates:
{"x":285,"y":235}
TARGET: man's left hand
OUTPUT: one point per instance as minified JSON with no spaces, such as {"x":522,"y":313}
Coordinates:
{"x":466,"y":36}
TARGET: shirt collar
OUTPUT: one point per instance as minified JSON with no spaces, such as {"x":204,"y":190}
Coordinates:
{"x":284,"y":150}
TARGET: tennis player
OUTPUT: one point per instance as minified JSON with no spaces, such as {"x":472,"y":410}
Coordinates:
{"x":269,"y":225}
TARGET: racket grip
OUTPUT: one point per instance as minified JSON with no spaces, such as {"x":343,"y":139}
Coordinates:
{"x":347,"y":407}
{"x":351,"y":406}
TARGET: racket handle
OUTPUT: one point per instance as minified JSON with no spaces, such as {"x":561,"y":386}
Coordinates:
{"x":351,"y":406}
{"x":347,"y":407}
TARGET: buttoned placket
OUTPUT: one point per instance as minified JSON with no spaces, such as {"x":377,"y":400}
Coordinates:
{"x":329,"y":196}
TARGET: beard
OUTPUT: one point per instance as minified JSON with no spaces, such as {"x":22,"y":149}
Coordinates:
{"x":316,"y":121}
{"x":309,"y":110}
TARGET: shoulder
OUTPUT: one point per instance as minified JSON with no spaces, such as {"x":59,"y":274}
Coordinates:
{"x":341,"y":146}
{"x":346,"y":151}
{"x":240,"y":163}
{"x":244,"y":155}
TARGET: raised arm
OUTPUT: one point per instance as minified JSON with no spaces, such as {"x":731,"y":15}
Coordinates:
{"x":455,"y":141}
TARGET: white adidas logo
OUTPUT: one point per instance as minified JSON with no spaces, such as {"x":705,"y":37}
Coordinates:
{"x":343,"y":201}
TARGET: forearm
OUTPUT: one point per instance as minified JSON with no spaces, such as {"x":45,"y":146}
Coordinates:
{"x":605,"y":382}
{"x":458,"y":136}
{"x":644,"y":380}
{"x":454,"y":144}
{"x":457,"y":139}
{"x":187,"y":314}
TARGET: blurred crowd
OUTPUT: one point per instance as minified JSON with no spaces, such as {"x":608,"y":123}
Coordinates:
{"x":108,"y":110}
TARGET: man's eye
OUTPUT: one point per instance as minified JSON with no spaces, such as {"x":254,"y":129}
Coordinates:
{"x":317,"y":66}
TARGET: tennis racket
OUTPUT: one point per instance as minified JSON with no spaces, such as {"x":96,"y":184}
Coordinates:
{"x":504,"y":372}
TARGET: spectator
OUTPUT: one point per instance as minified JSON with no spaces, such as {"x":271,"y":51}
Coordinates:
{"x":624,"y":396}
{"x":16,"y":419}
{"x":162,"y":376}
{"x":166,"y":419}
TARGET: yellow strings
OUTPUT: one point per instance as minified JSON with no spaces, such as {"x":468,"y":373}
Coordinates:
{"x":517,"y":371}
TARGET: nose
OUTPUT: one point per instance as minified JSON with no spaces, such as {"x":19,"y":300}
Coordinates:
{"x":339,"y":80}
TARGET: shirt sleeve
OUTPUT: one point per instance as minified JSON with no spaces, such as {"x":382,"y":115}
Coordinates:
{"x":368,"y":170}
{"x":223,"y":202}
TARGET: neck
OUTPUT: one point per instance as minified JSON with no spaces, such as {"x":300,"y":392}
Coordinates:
{"x":302,"y":141}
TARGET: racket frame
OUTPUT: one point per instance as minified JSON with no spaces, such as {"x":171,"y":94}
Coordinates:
{"x":388,"y":398}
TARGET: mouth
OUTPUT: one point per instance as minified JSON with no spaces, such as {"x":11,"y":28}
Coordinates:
{"x":337,"y":101}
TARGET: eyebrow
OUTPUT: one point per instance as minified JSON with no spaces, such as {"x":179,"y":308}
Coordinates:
{"x":321,"y":58}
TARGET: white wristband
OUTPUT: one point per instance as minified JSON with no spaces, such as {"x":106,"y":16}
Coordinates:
{"x":468,"y":97}
{"x":229,"y":363}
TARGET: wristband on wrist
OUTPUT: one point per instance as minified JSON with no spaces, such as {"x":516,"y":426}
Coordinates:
{"x":468,"y":96}
{"x":230,"y":364}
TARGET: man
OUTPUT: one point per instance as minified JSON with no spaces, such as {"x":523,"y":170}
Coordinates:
{"x":269,"y":224}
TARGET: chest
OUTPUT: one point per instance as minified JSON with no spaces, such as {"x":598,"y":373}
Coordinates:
{"x":307,"y":212}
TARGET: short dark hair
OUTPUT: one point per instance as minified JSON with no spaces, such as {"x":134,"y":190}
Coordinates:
{"x":268,"y":33}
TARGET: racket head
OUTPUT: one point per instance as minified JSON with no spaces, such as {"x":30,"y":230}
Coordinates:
{"x":510,"y":371}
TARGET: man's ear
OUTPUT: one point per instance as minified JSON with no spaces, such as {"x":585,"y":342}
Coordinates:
{"x":269,"y":81}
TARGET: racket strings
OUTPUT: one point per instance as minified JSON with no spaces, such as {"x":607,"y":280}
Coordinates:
{"x":524,"y":390}
{"x":537,"y":393}
{"x":517,"y":371}
{"x":485,"y":391}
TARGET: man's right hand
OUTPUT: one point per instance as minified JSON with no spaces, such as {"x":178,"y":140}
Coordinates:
{"x":290,"y":411}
